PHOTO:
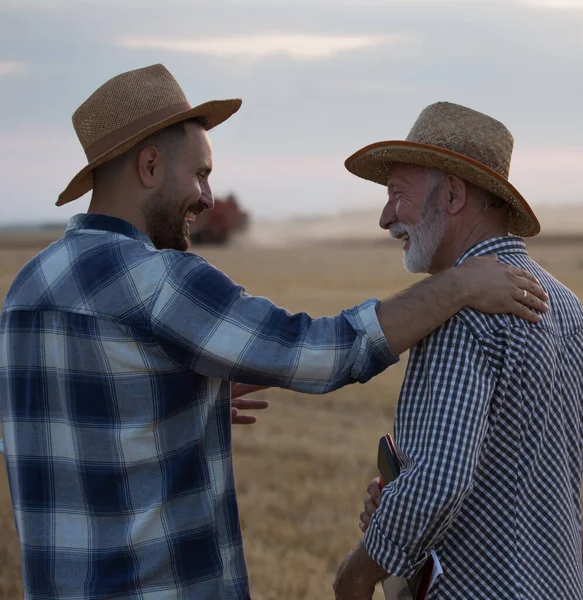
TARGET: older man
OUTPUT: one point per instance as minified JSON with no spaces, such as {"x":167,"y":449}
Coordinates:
{"x":117,"y":350}
{"x":488,"y":425}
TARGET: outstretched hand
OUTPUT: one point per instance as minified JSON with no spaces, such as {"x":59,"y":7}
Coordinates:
{"x":238,"y":390}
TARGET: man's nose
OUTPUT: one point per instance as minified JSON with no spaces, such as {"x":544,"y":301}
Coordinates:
{"x":387,"y":216}
{"x":207,"y":198}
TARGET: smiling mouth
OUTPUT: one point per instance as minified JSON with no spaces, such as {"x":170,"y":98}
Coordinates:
{"x":191,"y":215}
{"x":189,"y":219}
{"x":404,"y":237}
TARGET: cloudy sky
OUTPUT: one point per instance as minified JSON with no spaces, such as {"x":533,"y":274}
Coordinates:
{"x":319,"y":79}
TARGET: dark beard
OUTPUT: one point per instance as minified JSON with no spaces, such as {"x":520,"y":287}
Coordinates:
{"x":165,"y":225}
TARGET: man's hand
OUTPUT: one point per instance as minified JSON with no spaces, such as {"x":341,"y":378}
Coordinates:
{"x":371,"y":503}
{"x":238,"y":390}
{"x":357,"y":576}
{"x":479,"y":282}
{"x":494,"y":287}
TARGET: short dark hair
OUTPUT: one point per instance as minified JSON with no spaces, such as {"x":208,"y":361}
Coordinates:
{"x":168,"y":141}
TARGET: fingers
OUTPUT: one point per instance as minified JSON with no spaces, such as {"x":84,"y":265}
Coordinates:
{"x":238,"y":404}
{"x":237,"y":419}
{"x":248,"y":404}
{"x":370,"y":507}
{"x":243,"y":420}
{"x":522,"y":273}
{"x":374,"y":490}
{"x":528,"y":282}
{"x":242,"y":389}
{"x":364,"y":521}
{"x":531,"y":301}
{"x":534,"y":291}
{"x":520,"y":310}
{"x":371,"y":503}
{"x":529,"y":297}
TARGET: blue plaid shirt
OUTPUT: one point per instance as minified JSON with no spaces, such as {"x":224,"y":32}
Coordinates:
{"x":489,"y":429}
{"x":115,"y":363}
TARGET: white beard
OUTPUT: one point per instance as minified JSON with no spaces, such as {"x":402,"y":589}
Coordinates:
{"x":425,"y":237}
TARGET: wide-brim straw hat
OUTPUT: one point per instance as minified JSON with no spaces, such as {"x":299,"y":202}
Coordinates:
{"x":460,"y":141}
{"x":128,"y":108}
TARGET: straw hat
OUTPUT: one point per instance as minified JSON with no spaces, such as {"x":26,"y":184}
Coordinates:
{"x":128,"y":108}
{"x":460,"y":141}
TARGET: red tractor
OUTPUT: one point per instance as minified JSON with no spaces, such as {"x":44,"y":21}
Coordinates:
{"x":218,"y":225}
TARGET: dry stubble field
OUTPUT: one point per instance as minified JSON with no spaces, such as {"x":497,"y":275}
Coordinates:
{"x":303,"y":468}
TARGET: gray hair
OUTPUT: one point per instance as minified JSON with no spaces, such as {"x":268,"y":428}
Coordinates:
{"x":486,"y":200}
{"x":483,"y":199}
{"x":435,"y":179}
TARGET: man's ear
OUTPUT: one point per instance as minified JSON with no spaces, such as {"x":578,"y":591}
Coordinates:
{"x":150,"y":165}
{"x":457,"y":195}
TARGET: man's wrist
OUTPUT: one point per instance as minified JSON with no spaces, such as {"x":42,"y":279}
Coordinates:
{"x":455,"y":285}
{"x":366,"y":567}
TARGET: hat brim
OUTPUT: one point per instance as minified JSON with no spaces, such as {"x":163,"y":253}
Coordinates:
{"x":213,"y":112}
{"x":373,"y":162}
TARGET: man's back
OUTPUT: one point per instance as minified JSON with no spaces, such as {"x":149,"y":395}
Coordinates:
{"x":489,"y":433}
{"x":115,"y":363}
{"x":518,"y":534}
{"x":108,"y":438}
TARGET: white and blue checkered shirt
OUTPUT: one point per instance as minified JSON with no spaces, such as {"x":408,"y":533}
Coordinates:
{"x":115,"y":360}
{"x":489,"y":430}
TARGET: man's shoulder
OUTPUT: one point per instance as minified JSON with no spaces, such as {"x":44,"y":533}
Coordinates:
{"x":101,"y":274}
{"x":564,"y":317}
{"x":30,"y":283}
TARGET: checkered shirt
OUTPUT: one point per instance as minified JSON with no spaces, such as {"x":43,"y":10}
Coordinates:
{"x":489,"y":433}
{"x":115,"y":363}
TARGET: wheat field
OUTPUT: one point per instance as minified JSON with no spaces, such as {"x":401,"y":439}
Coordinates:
{"x":302,"y":470}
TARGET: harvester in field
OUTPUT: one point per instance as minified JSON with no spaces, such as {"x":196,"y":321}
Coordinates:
{"x":219,"y":225}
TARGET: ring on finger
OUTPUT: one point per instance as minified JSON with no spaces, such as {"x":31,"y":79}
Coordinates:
{"x":524,"y":294}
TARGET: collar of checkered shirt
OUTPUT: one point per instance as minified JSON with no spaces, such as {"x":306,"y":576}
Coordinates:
{"x":508,"y":244}
{"x":100,"y":223}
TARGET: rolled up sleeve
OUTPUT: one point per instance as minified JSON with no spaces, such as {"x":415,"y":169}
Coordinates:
{"x":208,"y":323}
{"x":442,"y":420}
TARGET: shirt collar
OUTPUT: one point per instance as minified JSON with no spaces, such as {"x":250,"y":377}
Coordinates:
{"x":96,"y":222}
{"x":508,"y":244}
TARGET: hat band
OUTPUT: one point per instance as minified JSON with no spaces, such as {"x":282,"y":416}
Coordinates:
{"x":117,"y":137}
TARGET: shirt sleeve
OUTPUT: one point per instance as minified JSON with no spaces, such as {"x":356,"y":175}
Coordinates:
{"x":442,"y":420}
{"x":208,"y":323}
